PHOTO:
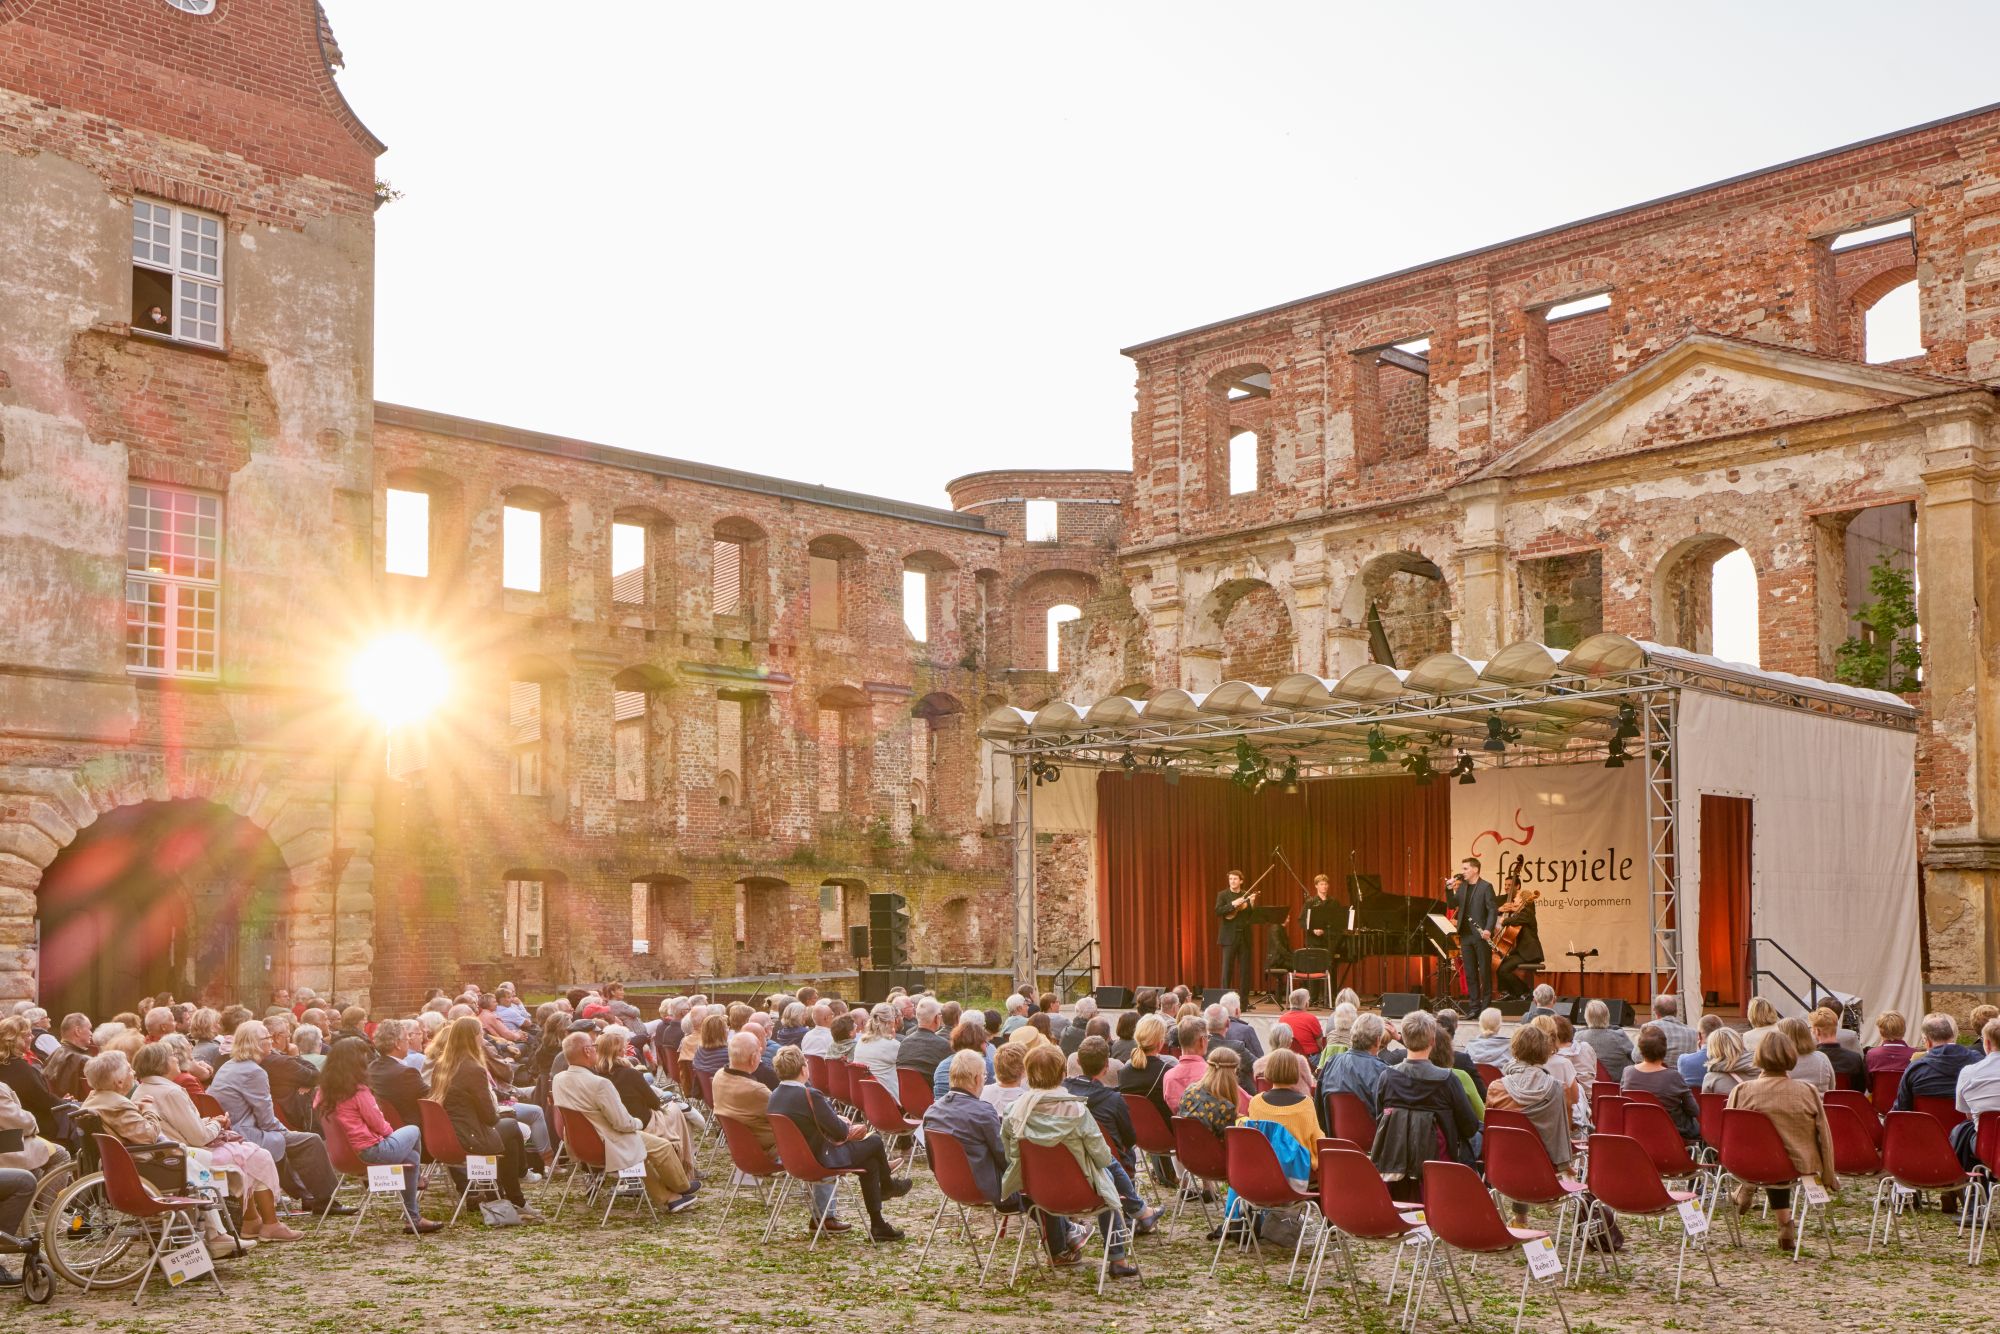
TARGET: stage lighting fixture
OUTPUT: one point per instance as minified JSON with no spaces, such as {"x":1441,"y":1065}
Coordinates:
{"x":1628,"y":722}
{"x":1045,"y":772}
{"x":1378,"y":746}
{"x":1419,"y":766}
{"x":1498,"y":734}
{"x":1129,"y":762}
{"x":1616,"y":758}
{"x":1250,"y":765}
{"x":1463,"y":770}
{"x":1291,"y":779}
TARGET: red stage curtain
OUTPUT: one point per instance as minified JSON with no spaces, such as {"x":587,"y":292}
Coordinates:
{"x":1725,"y":895}
{"x":1165,"y":851}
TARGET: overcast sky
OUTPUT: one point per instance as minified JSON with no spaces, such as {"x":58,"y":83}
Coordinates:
{"x":881,"y":245}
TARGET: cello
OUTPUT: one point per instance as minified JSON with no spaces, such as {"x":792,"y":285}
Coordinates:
{"x":1508,"y":936}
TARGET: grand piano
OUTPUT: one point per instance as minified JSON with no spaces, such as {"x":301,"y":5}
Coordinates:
{"x":1381,"y":924}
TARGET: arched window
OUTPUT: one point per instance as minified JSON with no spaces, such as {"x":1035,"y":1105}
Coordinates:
{"x":1733,"y":607}
{"x":1059,"y":615}
{"x":1891,"y":329}
{"x":1707,"y":599}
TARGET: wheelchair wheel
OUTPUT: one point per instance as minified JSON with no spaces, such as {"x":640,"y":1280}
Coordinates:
{"x":47,"y":1189}
{"x":90,"y":1243}
{"x":38,"y":1281}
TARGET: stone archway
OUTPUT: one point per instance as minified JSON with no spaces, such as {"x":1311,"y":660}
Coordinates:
{"x":43,"y":809}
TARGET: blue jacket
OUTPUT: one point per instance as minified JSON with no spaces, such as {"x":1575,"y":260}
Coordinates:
{"x":1359,"y":1073}
{"x":1293,"y":1159}
{"x":976,"y":1125}
{"x":1935,"y":1074}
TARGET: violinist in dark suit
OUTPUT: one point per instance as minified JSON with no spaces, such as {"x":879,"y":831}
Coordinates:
{"x":1232,"y":932}
{"x":1322,"y":916}
{"x":1478,"y":917}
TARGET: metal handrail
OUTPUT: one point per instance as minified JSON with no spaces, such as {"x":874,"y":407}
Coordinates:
{"x":1088,"y":971}
{"x":1818,"y":988}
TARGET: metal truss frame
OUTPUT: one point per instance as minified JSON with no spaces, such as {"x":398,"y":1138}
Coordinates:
{"x":1658,"y":714}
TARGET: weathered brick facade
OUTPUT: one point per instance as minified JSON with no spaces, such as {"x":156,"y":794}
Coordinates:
{"x":1448,"y":466}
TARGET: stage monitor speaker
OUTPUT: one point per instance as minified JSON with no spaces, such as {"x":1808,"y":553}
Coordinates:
{"x":1565,"y":1009}
{"x":1513,"y":1007}
{"x":1113,"y":998}
{"x":857,"y":941}
{"x":1212,"y":996}
{"x":1396,"y":1004}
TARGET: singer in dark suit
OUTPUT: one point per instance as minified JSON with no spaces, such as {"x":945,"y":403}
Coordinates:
{"x":1478,"y":917}
{"x":1232,"y":932}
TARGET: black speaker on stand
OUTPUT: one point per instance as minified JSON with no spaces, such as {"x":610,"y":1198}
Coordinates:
{"x":1113,"y":998}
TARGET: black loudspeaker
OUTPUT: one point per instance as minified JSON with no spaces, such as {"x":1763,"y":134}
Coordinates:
{"x":857,"y":941}
{"x":1113,"y":998}
{"x":889,"y":920}
{"x":1564,"y":1009}
{"x":876,"y":983}
{"x":1212,"y":996}
{"x":1396,"y":1004}
{"x":1512,"y":1006}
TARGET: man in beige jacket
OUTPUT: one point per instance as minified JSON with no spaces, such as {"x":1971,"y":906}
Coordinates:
{"x":581,"y":1091}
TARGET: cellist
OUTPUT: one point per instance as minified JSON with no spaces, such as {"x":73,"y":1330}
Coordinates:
{"x":1517,"y":939}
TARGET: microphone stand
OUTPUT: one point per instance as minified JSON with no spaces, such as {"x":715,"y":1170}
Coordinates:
{"x":1580,"y":956}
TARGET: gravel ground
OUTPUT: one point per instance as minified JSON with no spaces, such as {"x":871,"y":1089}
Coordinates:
{"x":687,"y":1274}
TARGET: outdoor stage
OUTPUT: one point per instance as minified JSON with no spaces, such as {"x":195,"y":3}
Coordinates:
{"x":1694,"y":822}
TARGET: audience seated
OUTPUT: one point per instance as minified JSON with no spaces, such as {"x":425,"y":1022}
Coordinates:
{"x":51,"y":1113}
{"x":1651,"y":1074}
{"x":1217,"y":1099}
{"x":1680,"y":1038}
{"x":969,"y":1035}
{"x":1978,"y":1091}
{"x":1489,"y":1048}
{"x":1360,"y":1068}
{"x":345,"y":1100}
{"x":109,"y":1077}
{"x":1308,"y":1034}
{"x":1694,"y":1064}
{"x":1289,"y":1101}
{"x":1611,"y":1047}
{"x":1728,"y":1064}
{"x":838,"y":1143}
{"x":244,"y":1091}
{"x":255,"y":1173}
{"x":1849,"y":1067}
{"x":1795,"y":1108}
{"x":926,"y":1048}
{"x":742,"y":1097}
{"x":1528,"y":1087}
{"x":1934,"y":1072}
{"x":1418,"y":1085}
{"x":1892,"y":1054}
{"x":580,"y":1090}
{"x":1052,"y":1116}
{"x":971,"y":1120}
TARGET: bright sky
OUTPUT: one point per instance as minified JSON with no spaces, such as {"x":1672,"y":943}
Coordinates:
{"x":877,"y":246}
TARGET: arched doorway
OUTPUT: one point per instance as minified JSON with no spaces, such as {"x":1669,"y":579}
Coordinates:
{"x":179,"y":896}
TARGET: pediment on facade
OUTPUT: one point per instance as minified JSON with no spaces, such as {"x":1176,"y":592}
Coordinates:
{"x":1706,"y":386}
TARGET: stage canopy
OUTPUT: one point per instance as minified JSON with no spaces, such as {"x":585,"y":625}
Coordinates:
{"x":1824,"y":851}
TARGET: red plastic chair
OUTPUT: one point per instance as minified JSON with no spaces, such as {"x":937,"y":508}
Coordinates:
{"x":1755,"y":1155}
{"x":206,"y":1105}
{"x":958,"y":1186}
{"x":1262,"y":1084}
{"x":1871,"y":1120}
{"x":1501,"y":1116}
{"x":1151,"y":1134}
{"x":1985,"y":1148}
{"x":1882,"y":1086}
{"x":1354,"y":1202}
{"x":1351,"y":1120}
{"x":1056,"y":1187}
{"x":1712,"y":1106}
{"x":1942,"y":1110}
{"x":750,"y":1160}
{"x":1622,"y":1178}
{"x":883,"y":1112}
{"x":172,"y":1215}
{"x":1259,"y":1183}
{"x":1518,"y":1166}
{"x":1460,"y":1214}
{"x":817,"y":1076}
{"x":586,"y":1146}
{"x":1855,"y":1152}
{"x":1199,"y":1153}
{"x":1607,"y":1116}
{"x":348,"y":1163}
{"x":1485,"y":1076}
{"x":841,"y":1076}
{"x":804,"y":1167}
{"x":442,"y":1144}
{"x":670,"y":1064}
{"x":1916,"y":1155}
{"x":1653,"y":1127}
{"x":913,"y":1091}
{"x":1601,"y":1089}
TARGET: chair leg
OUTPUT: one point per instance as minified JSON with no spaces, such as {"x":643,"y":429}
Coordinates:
{"x":992,"y":1248}
{"x":1013,"y":1275}
{"x":777,"y":1204}
{"x":360,"y":1217}
{"x":936,"y":1219}
{"x":1228,"y":1212}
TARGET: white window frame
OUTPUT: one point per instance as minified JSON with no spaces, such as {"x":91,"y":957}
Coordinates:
{"x":156,"y":579}
{"x":187,"y":245}
{"x":527,"y":905}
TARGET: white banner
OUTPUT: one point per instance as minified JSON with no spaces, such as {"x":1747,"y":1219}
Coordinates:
{"x":1579,"y":834}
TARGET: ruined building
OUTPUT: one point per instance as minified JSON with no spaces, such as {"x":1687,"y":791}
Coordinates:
{"x":697,"y":714}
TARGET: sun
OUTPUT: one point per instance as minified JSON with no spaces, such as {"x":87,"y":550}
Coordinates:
{"x":400,"y":678}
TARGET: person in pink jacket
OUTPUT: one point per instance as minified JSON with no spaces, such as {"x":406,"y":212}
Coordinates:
{"x":346,"y":1102}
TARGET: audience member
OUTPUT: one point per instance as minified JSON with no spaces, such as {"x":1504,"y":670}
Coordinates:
{"x":1610,"y":1045}
{"x":1051,"y":1116}
{"x":1795,"y":1108}
{"x":837,"y":1143}
{"x":581,"y":1090}
{"x":1651,"y":1074}
{"x":244,"y":1091}
{"x":1360,"y":1068}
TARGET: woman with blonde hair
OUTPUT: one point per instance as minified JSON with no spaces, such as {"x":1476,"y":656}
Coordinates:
{"x":1728,"y":1064}
{"x":1763,"y":1017}
{"x":879,"y":1049}
{"x":462,"y":1086}
{"x":1289,"y":1099}
{"x":1218,"y":1100}
{"x":1813,"y":1067}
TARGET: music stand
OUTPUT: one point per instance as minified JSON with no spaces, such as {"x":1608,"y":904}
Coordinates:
{"x":1441,"y":934}
{"x":1256,"y":917}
